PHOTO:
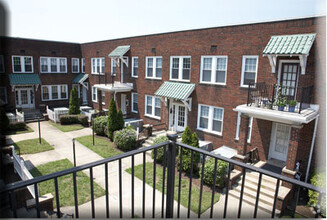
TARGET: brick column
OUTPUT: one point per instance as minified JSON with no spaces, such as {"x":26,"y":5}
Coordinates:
{"x":99,"y":101}
{"x":242,"y":149}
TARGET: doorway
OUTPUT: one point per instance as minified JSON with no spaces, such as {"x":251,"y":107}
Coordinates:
{"x":178,"y":117}
{"x":24,"y":97}
{"x":279,"y":141}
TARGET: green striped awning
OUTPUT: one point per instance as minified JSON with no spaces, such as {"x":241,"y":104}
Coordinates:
{"x":80,"y":78}
{"x":119,"y":51}
{"x":298,"y":44}
{"x":24,"y":79}
{"x":175,"y":90}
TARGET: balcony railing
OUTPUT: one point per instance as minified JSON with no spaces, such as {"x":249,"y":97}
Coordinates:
{"x":265,"y":95}
{"x":171,"y":148}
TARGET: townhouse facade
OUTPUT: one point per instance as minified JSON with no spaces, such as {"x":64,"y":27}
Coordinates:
{"x":204,"y":78}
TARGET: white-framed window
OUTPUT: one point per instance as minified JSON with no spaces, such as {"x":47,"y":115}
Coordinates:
{"x":135,"y":67}
{"x":113,"y":67}
{"x":94,"y":94}
{"x":103,"y":96}
{"x":249,"y":70}
{"x":213,"y":69}
{"x":238,"y":125}
{"x":22,"y":64}
{"x":97,"y":65}
{"x":135,"y":108}
{"x":180,"y":68}
{"x":75,"y":65}
{"x":153,"y":67}
{"x":83,"y":65}
{"x":54,"y":92}
{"x":2,"y":64}
{"x":210,"y":119}
{"x":53,"y":65}
{"x":3,"y":95}
{"x":78,"y":89}
{"x":152,"y":106}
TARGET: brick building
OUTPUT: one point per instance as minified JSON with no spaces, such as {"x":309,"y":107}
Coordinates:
{"x":198,"y":78}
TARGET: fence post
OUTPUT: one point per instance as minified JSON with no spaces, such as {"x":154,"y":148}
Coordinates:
{"x":92,"y":117}
{"x":39,"y":128}
{"x":171,"y":176}
{"x":272,"y":96}
{"x":74,"y":153}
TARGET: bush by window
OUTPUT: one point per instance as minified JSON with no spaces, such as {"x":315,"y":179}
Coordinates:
{"x":160,"y":151}
{"x":318,"y":179}
{"x":125,"y":139}
{"x":100,"y":124}
{"x":221,"y":171}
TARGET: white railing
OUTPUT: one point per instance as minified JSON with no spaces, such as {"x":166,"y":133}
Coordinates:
{"x":135,"y":123}
{"x":22,"y":171}
{"x":50,"y":114}
{"x":56,"y":113}
{"x":87,"y":111}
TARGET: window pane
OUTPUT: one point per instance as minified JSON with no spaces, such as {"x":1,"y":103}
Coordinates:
{"x":216,"y":125}
{"x":186,"y":68}
{"x":157,"y":112}
{"x":63,"y":92}
{"x":221,"y":63}
{"x":157,"y":102}
{"x":53,"y":63}
{"x":102,"y":65}
{"x":207,"y":63}
{"x":17,"y":64}
{"x":113,"y":67}
{"x":249,"y":77}
{"x":135,"y":101}
{"x":186,"y":74}
{"x":250,"y":64}
{"x":204,"y":111}
{"x":44,"y":64}
{"x":203,"y":123}
{"x":62,"y":65}
{"x":175,"y":63}
{"x":83,"y":65}
{"x":218,"y":114}
{"x":158,"y":67}
{"x":220,"y":76}
{"x":28,"y":64}
{"x":98,"y":66}
{"x":135,"y":67}
{"x":93,"y":65}
{"x":45,"y":94}
{"x":54,"y":92}
{"x":174,"y":74}
{"x":149,"y":100}
{"x":150,"y":67}
{"x":206,"y":75}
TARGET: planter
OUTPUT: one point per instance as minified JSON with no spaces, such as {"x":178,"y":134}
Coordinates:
{"x":281,"y":108}
{"x":291,"y":108}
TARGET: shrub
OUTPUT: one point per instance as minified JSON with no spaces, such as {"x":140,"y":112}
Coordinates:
{"x":83,"y":120}
{"x":74,"y":102}
{"x":4,"y":121}
{"x":189,"y":139}
{"x":221,"y":171}
{"x":69,"y":119}
{"x":120,"y":120}
{"x":318,"y":179}
{"x":112,"y":119}
{"x":19,"y":125}
{"x":125,"y":139}
{"x":100,"y":124}
{"x":160,"y":151}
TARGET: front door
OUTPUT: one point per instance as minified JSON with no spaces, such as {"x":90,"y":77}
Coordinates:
{"x":279,"y":142}
{"x":123,"y":103}
{"x":84,"y":93}
{"x":288,"y":79}
{"x":24,"y":97}
{"x":178,"y":117}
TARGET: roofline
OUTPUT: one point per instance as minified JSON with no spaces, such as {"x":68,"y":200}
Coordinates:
{"x":206,"y":28}
{"x":36,"y":39}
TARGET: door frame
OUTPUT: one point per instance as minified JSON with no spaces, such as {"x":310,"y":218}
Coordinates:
{"x":84,"y":94}
{"x":29,"y":90}
{"x":123,"y":103}
{"x":273,"y":141}
{"x":175,"y":105}
{"x":280,"y":64}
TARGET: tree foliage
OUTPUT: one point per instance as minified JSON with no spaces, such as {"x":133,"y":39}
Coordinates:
{"x":73,"y":102}
{"x":112,"y":123}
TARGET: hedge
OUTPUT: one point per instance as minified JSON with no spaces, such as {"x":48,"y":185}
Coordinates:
{"x":100,"y":124}
{"x":125,"y":139}
{"x":318,"y":179}
{"x":74,"y":119}
{"x":160,"y":151}
{"x":221,"y":171}
{"x":17,"y":125}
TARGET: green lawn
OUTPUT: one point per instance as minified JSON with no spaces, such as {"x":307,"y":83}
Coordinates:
{"x":65,"y":183}
{"x":20,"y":131}
{"x":104,"y":147}
{"x":32,"y":146}
{"x":66,"y":128}
{"x":206,"y":196}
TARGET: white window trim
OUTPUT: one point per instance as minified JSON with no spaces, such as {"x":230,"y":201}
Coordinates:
{"x":134,"y":93}
{"x":103,"y":99}
{"x":133,"y":67}
{"x":22,"y":64}
{"x":50,"y":92}
{"x":83,"y":64}
{"x":112,"y":67}
{"x":213,"y":70}
{"x":78,"y":70}
{"x":6,"y":95}
{"x":180,"y":69}
{"x":2,"y":70}
{"x":238,"y":125}
{"x":96,"y":94}
{"x":153,"y":107}
{"x":49,"y":64}
{"x":100,"y":63}
{"x":243,"y":68}
{"x":210,"y":119}
{"x":154,"y":67}
{"x":78,"y":89}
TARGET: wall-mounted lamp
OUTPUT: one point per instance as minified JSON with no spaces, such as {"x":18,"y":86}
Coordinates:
{"x":213,"y":48}
{"x":153,"y":50}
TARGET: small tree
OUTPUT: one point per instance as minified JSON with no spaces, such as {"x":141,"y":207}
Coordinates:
{"x":112,"y":119}
{"x":4,"y":121}
{"x":74,"y":102}
{"x":120,"y":120}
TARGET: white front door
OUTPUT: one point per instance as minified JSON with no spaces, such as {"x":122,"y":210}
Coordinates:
{"x":84,"y":93}
{"x":279,"y":141}
{"x":178,"y":117}
{"x":123,"y":103}
{"x":24,"y":97}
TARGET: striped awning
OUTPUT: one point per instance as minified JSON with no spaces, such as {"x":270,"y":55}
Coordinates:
{"x":80,"y":78}
{"x":297,"y":44}
{"x":175,"y":90}
{"x":24,"y":79}
{"x":119,"y":51}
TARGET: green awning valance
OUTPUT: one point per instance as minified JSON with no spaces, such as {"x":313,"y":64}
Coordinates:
{"x":297,"y":44}
{"x":80,"y":78}
{"x":24,"y":79}
{"x":175,"y":90}
{"x":119,"y":51}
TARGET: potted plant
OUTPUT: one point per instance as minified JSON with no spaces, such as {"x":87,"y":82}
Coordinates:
{"x":291,"y":105}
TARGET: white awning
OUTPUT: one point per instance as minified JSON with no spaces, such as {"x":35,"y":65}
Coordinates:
{"x":116,"y":87}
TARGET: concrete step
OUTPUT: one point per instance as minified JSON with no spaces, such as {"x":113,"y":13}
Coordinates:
{"x":149,"y":141}
{"x":266,"y":182}
{"x":264,"y":198}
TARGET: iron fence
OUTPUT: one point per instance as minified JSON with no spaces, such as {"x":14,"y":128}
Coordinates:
{"x":170,"y":149}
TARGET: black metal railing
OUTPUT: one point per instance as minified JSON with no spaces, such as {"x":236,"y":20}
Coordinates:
{"x":266,"y":95}
{"x":171,"y":148}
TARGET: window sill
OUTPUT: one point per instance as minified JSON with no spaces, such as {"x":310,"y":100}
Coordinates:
{"x":157,"y":79}
{"x":54,"y":100}
{"x":153,"y":117}
{"x":53,"y":72}
{"x":135,"y":77}
{"x":213,"y":84}
{"x":179,"y":80}
{"x":99,"y":74}
{"x":210,"y":132}
{"x":20,"y":72}
{"x":134,"y":112}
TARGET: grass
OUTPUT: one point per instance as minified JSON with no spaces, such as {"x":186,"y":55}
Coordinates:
{"x":66,"y":128}
{"x":102,"y":147}
{"x":206,"y":196}
{"x":20,"y":131}
{"x":65,"y":183}
{"x":32,"y":146}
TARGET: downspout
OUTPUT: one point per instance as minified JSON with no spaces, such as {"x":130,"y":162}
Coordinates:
{"x":312,"y":146}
